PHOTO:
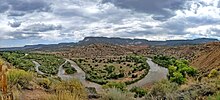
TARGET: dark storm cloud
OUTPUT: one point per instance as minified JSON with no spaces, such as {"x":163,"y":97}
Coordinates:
{"x":29,"y":5}
{"x":160,"y":8}
{"x":3,"y":7}
{"x":42,"y":27}
{"x":21,"y":7}
{"x":16,"y":13}
{"x":14,"y":24}
{"x":219,"y":4}
{"x":23,"y":35}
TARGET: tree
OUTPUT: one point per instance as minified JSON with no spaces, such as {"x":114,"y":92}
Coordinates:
{"x":172,"y":69}
{"x":178,"y":78}
{"x":110,"y":68}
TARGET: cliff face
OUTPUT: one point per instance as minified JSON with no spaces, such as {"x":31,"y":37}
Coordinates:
{"x":208,"y":58}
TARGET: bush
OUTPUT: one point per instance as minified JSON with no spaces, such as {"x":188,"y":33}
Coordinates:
{"x":72,"y":86}
{"x":215,"y":97}
{"x":110,"y":69}
{"x":121,"y":86}
{"x":139,"y":92}
{"x":44,"y":82}
{"x":178,"y":69}
{"x":18,"y":77}
{"x":70,"y":70}
{"x":1,"y":62}
{"x":162,"y":88}
{"x":213,"y":73}
{"x":178,"y":78}
{"x":116,"y":94}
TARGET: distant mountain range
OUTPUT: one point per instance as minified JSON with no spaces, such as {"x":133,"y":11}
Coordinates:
{"x":122,"y":41}
{"x":113,"y":41}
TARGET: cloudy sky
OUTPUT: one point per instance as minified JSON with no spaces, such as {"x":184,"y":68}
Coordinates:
{"x":26,"y":22}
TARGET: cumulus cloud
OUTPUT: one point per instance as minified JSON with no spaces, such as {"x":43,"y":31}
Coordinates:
{"x":72,"y":20}
{"x":42,"y":27}
{"x":161,"y":9}
{"x":14,"y":24}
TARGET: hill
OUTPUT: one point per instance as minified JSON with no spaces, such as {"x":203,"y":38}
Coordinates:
{"x":204,"y":57}
{"x":208,"y":58}
{"x":124,"y":41}
{"x":112,"y":41}
{"x":94,"y":50}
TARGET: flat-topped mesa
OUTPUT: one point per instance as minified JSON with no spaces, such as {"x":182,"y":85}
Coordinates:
{"x":112,"y":41}
{"x":127,"y":41}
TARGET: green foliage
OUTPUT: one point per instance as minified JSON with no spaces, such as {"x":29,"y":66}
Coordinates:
{"x":121,"y":86}
{"x":49,"y":63}
{"x":68,"y":68}
{"x":215,"y":97}
{"x":17,"y":60}
{"x":73,"y":86}
{"x":162,"y":89}
{"x":18,"y":77}
{"x":178,"y":69}
{"x":177,"y":77}
{"x":1,"y":62}
{"x":139,"y":92}
{"x":213,"y":73}
{"x":164,"y":61}
{"x":114,"y":68}
{"x":110,"y":68}
{"x":172,"y":69}
{"x":44,"y":82}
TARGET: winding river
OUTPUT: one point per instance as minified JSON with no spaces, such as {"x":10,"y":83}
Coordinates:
{"x":156,"y":73}
{"x":37,"y":65}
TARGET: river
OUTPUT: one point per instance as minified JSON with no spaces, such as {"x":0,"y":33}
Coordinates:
{"x":156,"y":73}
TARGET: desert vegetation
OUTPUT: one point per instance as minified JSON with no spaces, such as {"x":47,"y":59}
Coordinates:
{"x":178,"y":69}
{"x":126,"y":69}
{"x":68,"y":68}
{"x":49,"y":64}
{"x":29,"y":85}
{"x":115,"y":73}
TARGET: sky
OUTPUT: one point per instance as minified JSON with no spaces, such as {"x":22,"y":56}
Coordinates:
{"x":28,"y":22}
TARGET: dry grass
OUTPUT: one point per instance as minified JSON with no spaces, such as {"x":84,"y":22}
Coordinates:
{"x":61,"y":95}
{"x":72,"y":88}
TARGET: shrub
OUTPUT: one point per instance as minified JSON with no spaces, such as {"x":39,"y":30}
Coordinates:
{"x":72,"y":86}
{"x":213,"y":73}
{"x":139,"y":92}
{"x":18,"y":77}
{"x":178,"y":78}
{"x":162,"y":88}
{"x":70,"y":70}
{"x":110,"y":68}
{"x":215,"y":97}
{"x":116,"y":94}
{"x":1,"y":62}
{"x":44,"y":82}
{"x":178,"y":69}
{"x":116,"y":85}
